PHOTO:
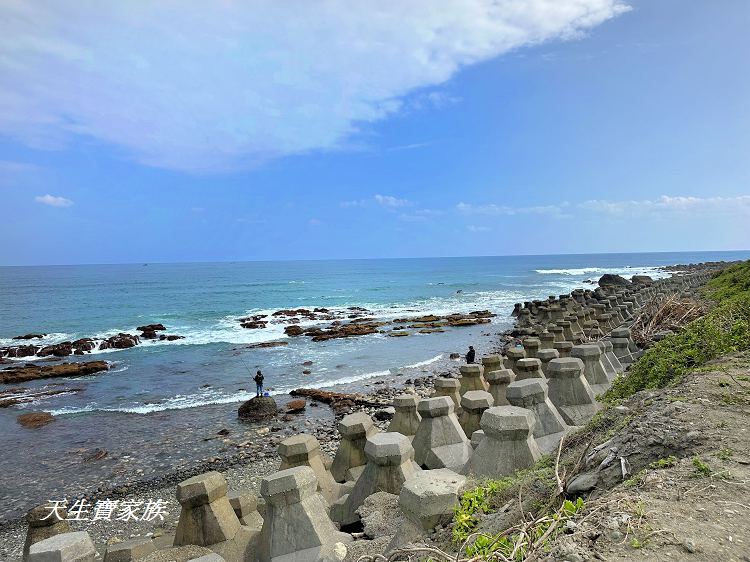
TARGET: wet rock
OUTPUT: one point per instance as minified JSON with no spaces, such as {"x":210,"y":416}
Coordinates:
{"x":29,"y":337}
{"x":29,"y":371}
{"x":293,"y":331}
{"x":34,"y":420}
{"x":265,"y":344}
{"x":258,"y":409}
{"x":296,"y":406}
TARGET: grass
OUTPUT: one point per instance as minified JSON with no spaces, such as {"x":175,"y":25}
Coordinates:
{"x":725,"y":329}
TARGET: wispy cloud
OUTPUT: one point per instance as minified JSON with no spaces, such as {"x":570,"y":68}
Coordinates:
{"x":219,"y":86}
{"x":475,"y":228}
{"x":684,"y":205}
{"x":411,"y":146}
{"x":491,"y":209}
{"x":420,"y":215}
{"x":53,"y":200}
{"x":391,"y":201}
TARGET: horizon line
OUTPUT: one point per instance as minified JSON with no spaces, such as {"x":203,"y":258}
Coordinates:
{"x":146,"y":263}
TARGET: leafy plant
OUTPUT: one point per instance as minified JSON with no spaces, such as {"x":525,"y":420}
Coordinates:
{"x":702,"y":468}
{"x":667,"y":462}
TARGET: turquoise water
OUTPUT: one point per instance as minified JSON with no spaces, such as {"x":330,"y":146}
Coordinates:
{"x":203,"y":302}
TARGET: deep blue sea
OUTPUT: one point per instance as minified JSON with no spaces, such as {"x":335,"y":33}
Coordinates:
{"x":163,"y":384}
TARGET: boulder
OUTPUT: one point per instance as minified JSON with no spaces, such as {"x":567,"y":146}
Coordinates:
{"x":257,"y":409}
{"x":611,"y":280}
{"x":33,"y":420}
{"x":29,"y":371}
{"x":641,"y":280}
{"x":132,"y":549}
{"x":44,"y":524}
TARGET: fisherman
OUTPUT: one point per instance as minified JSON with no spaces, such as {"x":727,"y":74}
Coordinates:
{"x":258,"y":378}
{"x":471,"y":354}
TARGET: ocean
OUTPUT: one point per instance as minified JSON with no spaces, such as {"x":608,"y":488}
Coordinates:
{"x":165,"y":387}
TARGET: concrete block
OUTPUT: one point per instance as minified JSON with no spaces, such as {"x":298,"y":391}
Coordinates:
{"x":499,"y":381}
{"x":570,"y":392}
{"x":593,"y":369}
{"x":545,"y":356}
{"x":296,"y":526}
{"x":390,"y":462}
{"x":532,"y":395}
{"x":440,"y":441}
{"x":471,"y":378}
{"x":508,"y":444}
{"x":406,"y":420}
{"x":304,"y":450}
{"x":428,"y":498}
{"x":530,"y":368}
{"x":450,"y":388}
{"x":473,"y":405}
{"x":43,"y":526}
{"x":66,"y":547}
{"x":354,"y":430}
{"x":129,"y":550}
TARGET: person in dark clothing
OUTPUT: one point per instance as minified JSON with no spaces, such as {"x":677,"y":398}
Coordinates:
{"x":471,"y":354}
{"x":258,"y":378}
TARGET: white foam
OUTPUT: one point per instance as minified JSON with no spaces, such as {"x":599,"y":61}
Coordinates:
{"x":424,"y":363}
{"x":624,"y":270}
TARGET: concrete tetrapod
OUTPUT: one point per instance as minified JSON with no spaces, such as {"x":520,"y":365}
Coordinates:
{"x":545,"y":356}
{"x":451,"y":389}
{"x":508,"y":444}
{"x":530,"y":368}
{"x":350,"y":459}
{"x":440,"y":441}
{"x":390,"y":462}
{"x":532,"y":395}
{"x":296,"y":527}
{"x":429,"y":497}
{"x":66,"y":547}
{"x":570,"y":392}
{"x":304,"y":450}
{"x":471,"y":378}
{"x":131,"y":549}
{"x":491,"y":363}
{"x":43,"y":524}
{"x":207,"y":519}
{"x":499,"y":381}
{"x":609,"y":352}
{"x":513,"y":355}
{"x":593,"y":369}
{"x":473,"y":405}
{"x":609,"y":368}
{"x":406,"y":420}
{"x":245,"y":506}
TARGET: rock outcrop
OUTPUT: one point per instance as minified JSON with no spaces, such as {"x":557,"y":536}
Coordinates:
{"x":30,"y":372}
{"x":258,"y":408}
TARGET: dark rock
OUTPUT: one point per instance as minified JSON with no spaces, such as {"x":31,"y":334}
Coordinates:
{"x":267,"y":344}
{"x":151,"y":328}
{"x":641,"y":280}
{"x":609,"y":279}
{"x":293,"y":331}
{"x":30,"y":371}
{"x":30,"y":337}
{"x":258,"y":409}
{"x":385,"y":414}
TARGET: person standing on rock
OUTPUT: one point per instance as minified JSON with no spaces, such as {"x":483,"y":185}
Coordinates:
{"x":471,"y":354}
{"x":258,"y":378}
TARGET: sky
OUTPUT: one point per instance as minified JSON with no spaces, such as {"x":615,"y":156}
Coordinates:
{"x":189,"y":131}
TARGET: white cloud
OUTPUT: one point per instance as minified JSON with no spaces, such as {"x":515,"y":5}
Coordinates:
{"x":224,"y":85}
{"x":420,"y":215}
{"x":491,"y":209}
{"x":391,"y":201}
{"x":53,"y":200}
{"x":684,"y":205}
{"x":475,"y":228}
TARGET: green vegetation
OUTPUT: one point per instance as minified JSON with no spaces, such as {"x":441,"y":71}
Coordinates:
{"x":486,"y":497}
{"x":725,"y":453}
{"x":667,"y":462}
{"x":725,"y":329}
{"x":517,"y":545}
{"x":702,"y":468}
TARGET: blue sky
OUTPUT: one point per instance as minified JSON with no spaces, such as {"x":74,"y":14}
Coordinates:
{"x":281,"y":130}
